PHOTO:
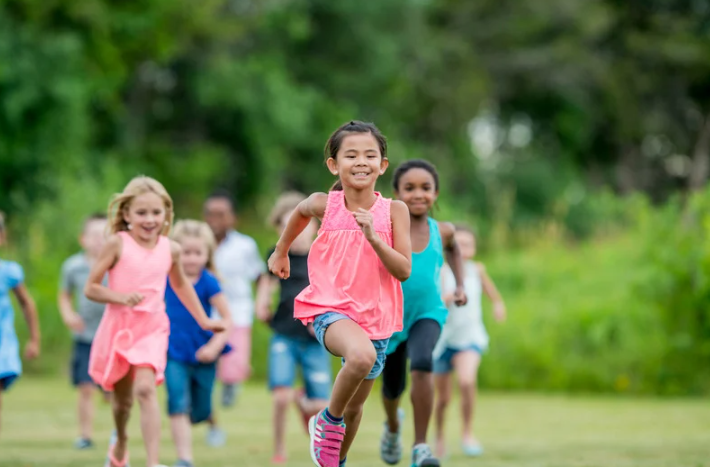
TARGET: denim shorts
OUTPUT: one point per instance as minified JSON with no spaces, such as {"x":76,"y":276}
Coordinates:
{"x":189,"y":387}
{"x":287,"y":353}
{"x":80,"y":364}
{"x":444,"y":364}
{"x":321,"y":324}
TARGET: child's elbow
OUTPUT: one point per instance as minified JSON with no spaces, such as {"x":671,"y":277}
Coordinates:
{"x":404,"y":274}
{"x":89,"y":292}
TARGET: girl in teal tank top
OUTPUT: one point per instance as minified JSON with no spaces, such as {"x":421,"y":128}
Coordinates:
{"x":422,"y":291}
{"x":417,"y":184}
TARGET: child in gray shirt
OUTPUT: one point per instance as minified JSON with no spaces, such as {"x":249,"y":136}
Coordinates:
{"x":82,"y":317}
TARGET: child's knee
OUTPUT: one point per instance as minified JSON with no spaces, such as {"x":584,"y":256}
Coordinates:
{"x":361,"y":361}
{"x":423,"y":362}
{"x":144,"y":391}
{"x":467,"y":385}
{"x":282,"y":397}
{"x":122,"y":403}
{"x":443,"y":400}
{"x":86,"y":390}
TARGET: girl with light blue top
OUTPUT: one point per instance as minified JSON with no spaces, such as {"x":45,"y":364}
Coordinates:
{"x":12,"y":279}
{"x":416,"y":183}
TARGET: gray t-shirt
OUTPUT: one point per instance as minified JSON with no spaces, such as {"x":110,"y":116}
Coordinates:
{"x":75,"y":272}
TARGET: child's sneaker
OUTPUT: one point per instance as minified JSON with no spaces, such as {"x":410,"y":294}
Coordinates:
{"x":391,"y":443}
{"x":422,"y":457}
{"x":472,"y":449}
{"x":216,"y":437}
{"x":229,"y":394}
{"x":183,"y":463}
{"x":83,"y":443}
{"x":326,"y":439}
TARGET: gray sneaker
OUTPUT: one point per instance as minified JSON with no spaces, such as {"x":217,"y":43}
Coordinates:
{"x":229,"y":394}
{"x":216,"y":437}
{"x":391,"y":443}
{"x":83,"y":444}
{"x":183,"y":463}
{"x":422,"y":457}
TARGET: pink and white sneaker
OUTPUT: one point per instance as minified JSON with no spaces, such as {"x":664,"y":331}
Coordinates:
{"x":326,"y":440}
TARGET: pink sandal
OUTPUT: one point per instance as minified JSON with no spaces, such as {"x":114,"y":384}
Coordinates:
{"x":111,"y":458}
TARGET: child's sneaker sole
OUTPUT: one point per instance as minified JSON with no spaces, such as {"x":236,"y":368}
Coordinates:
{"x":312,"y":436}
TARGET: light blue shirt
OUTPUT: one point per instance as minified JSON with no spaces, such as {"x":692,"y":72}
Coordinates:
{"x":11,"y":276}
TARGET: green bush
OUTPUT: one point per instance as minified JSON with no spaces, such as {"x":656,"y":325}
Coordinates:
{"x":678,"y":250}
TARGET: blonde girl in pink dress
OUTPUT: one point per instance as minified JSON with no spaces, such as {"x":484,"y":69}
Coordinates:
{"x":355,"y":266}
{"x":129,"y":353}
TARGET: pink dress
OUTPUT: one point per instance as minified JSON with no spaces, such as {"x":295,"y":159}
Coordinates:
{"x":346,"y":275}
{"x":135,"y":336}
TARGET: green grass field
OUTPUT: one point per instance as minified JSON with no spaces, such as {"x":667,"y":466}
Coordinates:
{"x":38,"y":429}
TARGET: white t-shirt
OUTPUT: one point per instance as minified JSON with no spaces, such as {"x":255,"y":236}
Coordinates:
{"x":464,"y":327}
{"x":239,"y":264}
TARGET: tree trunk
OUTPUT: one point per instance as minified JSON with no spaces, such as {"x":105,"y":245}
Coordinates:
{"x":700,"y":167}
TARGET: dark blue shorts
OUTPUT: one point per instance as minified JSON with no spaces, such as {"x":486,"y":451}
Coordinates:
{"x":80,"y":364}
{"x":189,"y":389}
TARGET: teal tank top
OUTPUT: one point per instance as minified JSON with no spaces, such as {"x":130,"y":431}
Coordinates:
{"x":422,"y":291}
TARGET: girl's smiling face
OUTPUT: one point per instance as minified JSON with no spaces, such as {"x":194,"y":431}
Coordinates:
{"x":359,"y":161}
{"x":417,"y":189}
{"x":146,"y":215}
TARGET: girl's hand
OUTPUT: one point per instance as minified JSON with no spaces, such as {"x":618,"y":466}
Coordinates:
{"x":131,"y":299}
{"x":460,"y":298}
{"x":279,"y":264}
{"x":31,"y":350}
{"x":214,"y":325}
{"x":207,"y":354}
{"x":364,"y":219}
{"x":499,"y":311}
{"x":263,"y":312}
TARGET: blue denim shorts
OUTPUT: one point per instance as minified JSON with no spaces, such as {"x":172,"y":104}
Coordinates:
{"x":287,"y":353}
{"x":444,"y":364}
{"x":189,"y":388}
{"x":321,"y":324}
{"x":80,"y":364}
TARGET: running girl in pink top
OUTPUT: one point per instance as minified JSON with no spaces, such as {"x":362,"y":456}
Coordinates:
{"x":129,"y":353}
{"x":355,"y":266}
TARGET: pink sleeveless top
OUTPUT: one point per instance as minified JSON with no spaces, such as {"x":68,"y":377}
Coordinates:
{"x":134,"y":336}
{"x":141,"y":270}
{"x":347,"y":276}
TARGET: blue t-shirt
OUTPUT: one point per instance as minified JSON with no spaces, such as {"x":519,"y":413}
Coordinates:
{"x":186,"y":336}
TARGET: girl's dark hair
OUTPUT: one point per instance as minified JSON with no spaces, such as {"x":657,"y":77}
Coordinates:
{"x":414,"y":164}
{"x":332,"y":146}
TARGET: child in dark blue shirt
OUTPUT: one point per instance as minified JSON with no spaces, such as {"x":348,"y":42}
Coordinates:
{"x":192,"y":351}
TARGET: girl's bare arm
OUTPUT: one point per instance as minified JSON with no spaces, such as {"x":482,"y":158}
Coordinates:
{"x":29,"y":310}
{"x":94,"y":289}
{"x":186,"y":293}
